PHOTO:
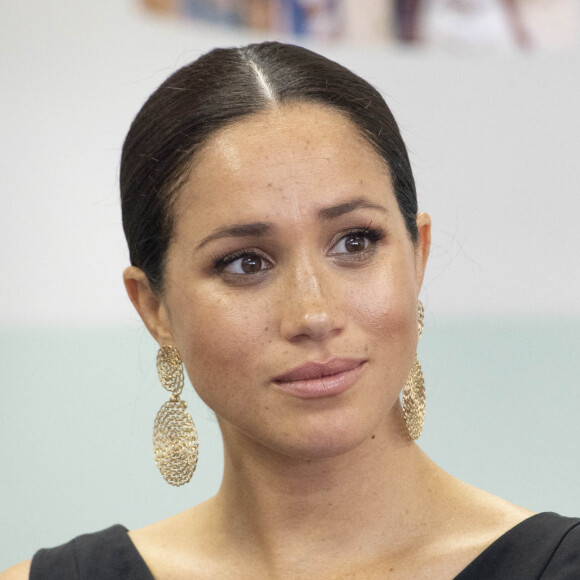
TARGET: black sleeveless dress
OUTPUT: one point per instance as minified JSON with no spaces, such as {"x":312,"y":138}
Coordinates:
{"x":546,"y":546}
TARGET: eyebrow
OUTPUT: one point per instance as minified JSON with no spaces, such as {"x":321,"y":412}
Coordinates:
{"x":238,"y":231}
{"x":263,"y":228}
{"x":336,"y":211}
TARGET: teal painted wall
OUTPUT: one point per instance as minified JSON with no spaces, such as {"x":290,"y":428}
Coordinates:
{"x":77,"y":409}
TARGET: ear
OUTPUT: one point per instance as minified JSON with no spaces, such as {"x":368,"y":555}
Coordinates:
{"x":423,"y":246}
{"x":148,"y":304}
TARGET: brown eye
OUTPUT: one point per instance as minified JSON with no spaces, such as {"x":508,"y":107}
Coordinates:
{"x":355,"y":243}
{"x":244,"y":263}
{"x":357,"y":246}
{"x":251,"y":264}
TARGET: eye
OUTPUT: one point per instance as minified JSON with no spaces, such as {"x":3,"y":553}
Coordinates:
{"x":243,"y":263}
{"x":353,"y":243}
{"x":357,"y":245}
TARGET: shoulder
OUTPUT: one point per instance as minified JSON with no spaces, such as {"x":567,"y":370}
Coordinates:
{"x":545,"y":545}
{"x":562,"y":538}
{"x":467,"y":522}
{"x":475,"y":518}
{"x":189,"y":540}
{"x":107,"y":554}
{"x":19,"y":572}
{"x":170,"y":546}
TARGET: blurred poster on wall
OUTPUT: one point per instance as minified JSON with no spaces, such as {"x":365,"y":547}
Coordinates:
{"x":465,"y":25}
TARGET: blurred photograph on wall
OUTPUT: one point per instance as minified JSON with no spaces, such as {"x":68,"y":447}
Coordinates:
{"x":454,"y":25}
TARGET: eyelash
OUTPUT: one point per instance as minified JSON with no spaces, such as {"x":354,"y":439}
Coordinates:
{"x":373,"y":234}
{"x":220,"y":262}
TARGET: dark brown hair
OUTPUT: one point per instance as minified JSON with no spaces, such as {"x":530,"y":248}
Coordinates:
{"x":222,"y":87}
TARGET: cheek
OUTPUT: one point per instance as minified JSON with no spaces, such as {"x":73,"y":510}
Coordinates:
{"x":220,"y":337}
{"x":386,"y":313}
{"x":385,"y":306}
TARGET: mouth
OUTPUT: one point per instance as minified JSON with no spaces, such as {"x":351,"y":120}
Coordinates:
{"x":314,"y":379}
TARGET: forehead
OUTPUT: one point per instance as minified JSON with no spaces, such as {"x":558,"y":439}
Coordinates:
{"x":292,"y":156}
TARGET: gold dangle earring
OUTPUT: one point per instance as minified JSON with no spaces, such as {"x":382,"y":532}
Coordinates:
{"x":414,"y":391}
{"x":175,"y":442}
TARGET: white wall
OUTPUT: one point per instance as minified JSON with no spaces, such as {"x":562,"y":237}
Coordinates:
{"x":495,"y":143}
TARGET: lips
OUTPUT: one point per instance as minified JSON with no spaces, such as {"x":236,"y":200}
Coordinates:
{"x":317,"y":370}
{"x":321,"y":379}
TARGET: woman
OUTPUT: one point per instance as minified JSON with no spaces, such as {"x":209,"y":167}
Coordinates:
{"x":276,"y":249}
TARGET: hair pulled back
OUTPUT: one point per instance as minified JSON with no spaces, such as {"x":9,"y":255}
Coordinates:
{"x":219,"y":88}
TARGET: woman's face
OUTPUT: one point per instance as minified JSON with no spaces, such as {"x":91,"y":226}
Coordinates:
{"x":290,"y":248}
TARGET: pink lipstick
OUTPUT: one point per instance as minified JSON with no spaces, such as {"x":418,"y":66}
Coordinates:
{"x":314,"y":380}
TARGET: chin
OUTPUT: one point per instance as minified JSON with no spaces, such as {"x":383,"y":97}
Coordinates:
{"x":315,"y":440}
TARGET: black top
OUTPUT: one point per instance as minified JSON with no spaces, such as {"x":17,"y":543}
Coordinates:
{"x":545,"y":546}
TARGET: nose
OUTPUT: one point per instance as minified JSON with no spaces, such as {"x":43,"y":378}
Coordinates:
{"x":310,"y":307}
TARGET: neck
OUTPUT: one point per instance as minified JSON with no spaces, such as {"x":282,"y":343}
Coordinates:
{"x":277,"y":502}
